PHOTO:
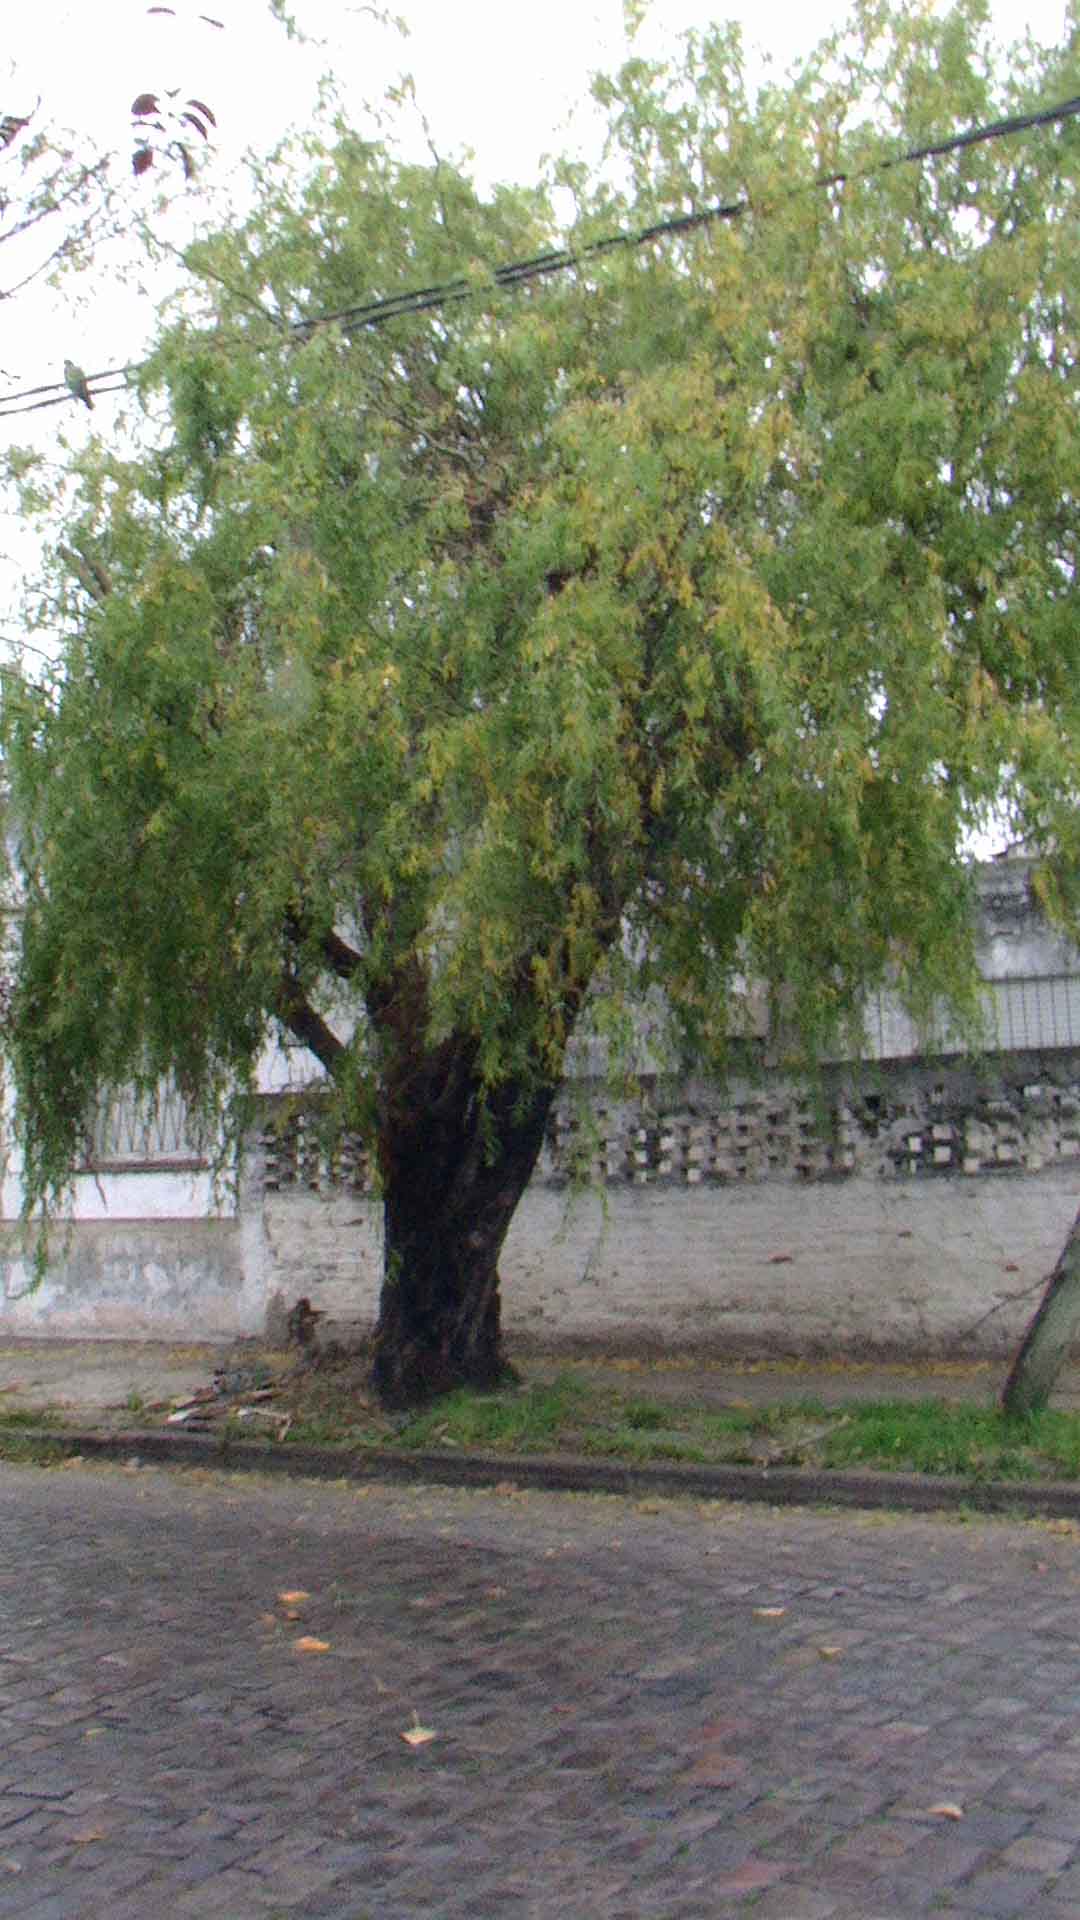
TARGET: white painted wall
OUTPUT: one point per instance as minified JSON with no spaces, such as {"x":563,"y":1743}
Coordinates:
{"x":915,"y":1209}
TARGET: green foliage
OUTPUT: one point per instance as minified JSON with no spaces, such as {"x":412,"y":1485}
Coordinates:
{"x":14,"y":1419}
{"x":652,"y":624}
{"x":524,"y":1421}
{"x":933,"y":1436}
{"x":574,"y":1414}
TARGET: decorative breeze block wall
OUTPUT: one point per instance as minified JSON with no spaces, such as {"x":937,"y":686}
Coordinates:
{"x":1014,"y":1114}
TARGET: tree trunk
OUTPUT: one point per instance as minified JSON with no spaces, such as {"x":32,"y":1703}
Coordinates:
{"x":454,"y":1167}
{"x":1045,"y":1346}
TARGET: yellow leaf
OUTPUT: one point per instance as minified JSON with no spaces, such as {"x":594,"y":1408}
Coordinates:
{"x":769,"y":1613}
{"x":86,"y":1835}
{"x":830,"y":1653}
{"x":418,"y":1736}
{"x":948,"y":1810}
{"x":295,"y":1597}
{"x":307,"y":1643}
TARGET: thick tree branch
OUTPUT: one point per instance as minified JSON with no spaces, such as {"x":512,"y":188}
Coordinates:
{"x":89,"y":573}
{"x":342,"y":960}
{"x":340,"y":957}
{"x":309,"y":1027}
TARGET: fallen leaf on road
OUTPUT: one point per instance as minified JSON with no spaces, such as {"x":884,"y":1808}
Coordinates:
{"x":307,"y":1643}
{"x":769,"y":1613}
{"x":418,"y":1736}
{"x":87,"y":1835}
{"x":717,"y":1770}
{"x":830,"y":1653}
{"x":9,"y":1865}
{"x":294,"y":1597}
{"x":948,"y":1810}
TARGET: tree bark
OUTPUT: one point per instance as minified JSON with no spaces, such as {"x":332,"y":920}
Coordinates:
{"x":1045,"y":1347}
{"x":455,"y":1161}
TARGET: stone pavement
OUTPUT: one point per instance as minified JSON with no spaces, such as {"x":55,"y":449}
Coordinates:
{"x":641,"y":1710}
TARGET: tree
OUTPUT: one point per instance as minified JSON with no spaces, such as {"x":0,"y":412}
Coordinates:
{"x":59,"y":198}
{"x":454,"y":674}
{"x":45,"y":187}
{"x":1049,"y":1337}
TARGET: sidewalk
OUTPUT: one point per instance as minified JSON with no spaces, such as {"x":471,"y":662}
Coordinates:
{"x":109,"y":1382}
{"x":114,"y":1398}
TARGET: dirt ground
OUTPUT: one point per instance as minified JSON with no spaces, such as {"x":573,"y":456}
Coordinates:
{"x":115,"y":1382}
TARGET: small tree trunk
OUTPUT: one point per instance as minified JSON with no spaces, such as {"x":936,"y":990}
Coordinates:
{"x":1044,"y":1349}
{"x":453,"y":1169}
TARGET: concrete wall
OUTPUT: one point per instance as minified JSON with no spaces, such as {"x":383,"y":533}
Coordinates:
{"x":129,"y":1279}
{"x":912,"y":1205}
{"x":912,"y":1210}
{"x":859,"y":1267}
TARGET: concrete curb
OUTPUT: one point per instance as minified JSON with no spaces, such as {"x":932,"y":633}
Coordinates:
{"x":564,"y":1473}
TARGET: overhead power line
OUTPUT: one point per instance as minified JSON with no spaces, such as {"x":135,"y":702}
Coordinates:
{"x":374,"y":313}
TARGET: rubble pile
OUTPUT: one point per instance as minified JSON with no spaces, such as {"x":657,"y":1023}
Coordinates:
{"x":240,"y":1394}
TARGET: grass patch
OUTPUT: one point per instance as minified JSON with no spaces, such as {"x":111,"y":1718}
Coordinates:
{"x":576,"y":1413}
{"x":518,"y":1420}
{"x":936,"y":1437}
{"x":327,"y":1429}
{"x":20,"y":1448}
{"x":21,"y":1436}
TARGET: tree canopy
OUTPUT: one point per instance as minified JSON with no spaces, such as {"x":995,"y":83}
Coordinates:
{"x":660,"y":621}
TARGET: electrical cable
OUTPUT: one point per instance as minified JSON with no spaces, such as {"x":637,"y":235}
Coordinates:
{"x":373,"y":313}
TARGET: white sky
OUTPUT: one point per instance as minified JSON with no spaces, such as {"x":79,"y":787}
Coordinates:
{"x":494,"y":76}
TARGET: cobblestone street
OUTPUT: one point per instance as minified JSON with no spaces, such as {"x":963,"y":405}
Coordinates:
{"x":638,"y":1709}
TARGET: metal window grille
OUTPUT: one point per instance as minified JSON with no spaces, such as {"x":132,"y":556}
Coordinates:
{"x":133,"y":1133}
{"x":1025,"y":1014}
